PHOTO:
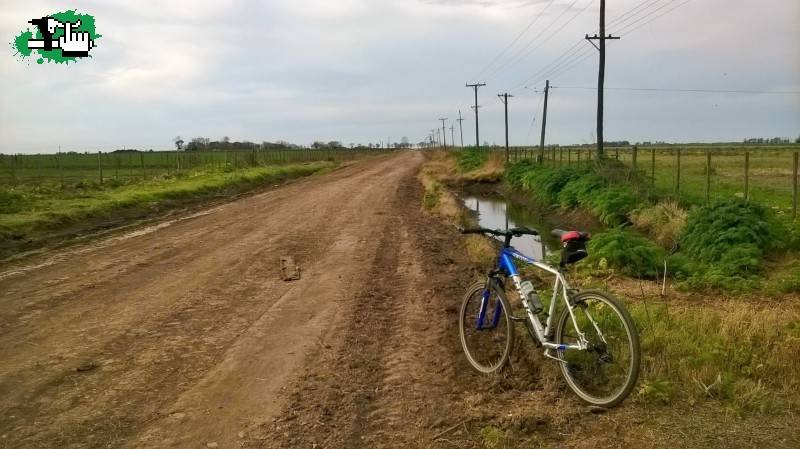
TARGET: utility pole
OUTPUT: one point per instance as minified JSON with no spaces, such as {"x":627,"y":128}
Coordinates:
{"x":475,"y":87}
{"x":444,"y":132}
{"x":438,"y":138}
{"x":504,"y":99}
{"x":544,"y":121}
{"x":601,"y":73}
{"x":460,"y":129}
{"x":452,"y":135}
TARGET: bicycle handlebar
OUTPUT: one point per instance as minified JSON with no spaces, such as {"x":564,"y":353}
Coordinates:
{"x":516,"y":232}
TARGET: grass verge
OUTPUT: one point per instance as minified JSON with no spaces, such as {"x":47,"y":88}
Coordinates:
{"x":41,"y":214}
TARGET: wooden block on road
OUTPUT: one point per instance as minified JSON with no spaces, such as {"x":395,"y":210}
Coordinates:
{"x":289,"y":269}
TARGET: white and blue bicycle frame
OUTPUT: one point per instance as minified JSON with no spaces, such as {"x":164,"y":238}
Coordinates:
{"x":505,"y":266}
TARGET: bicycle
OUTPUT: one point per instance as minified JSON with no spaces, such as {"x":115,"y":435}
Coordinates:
{"x":594,"y":341}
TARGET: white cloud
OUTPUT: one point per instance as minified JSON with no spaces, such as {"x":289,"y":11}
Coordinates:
{"x":361,"y":70}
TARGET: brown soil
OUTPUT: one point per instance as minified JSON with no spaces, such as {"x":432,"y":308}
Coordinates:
{"x":183,"y":335}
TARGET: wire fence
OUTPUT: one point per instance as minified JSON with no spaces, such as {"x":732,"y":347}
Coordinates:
{"x":695,"y":174}
{"x":101,"y":167}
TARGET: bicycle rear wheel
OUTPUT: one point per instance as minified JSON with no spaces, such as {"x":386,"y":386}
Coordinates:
{"x":486,"y":328}
{"x":607,"y":371}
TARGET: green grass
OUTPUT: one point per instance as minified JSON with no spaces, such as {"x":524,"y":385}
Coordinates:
{"x":39,"y":211}
{"x":73,"y":168}
{"x":745,"y":356}
{"x":471,"y":159}
{"x":739,"y":353}
{"x":723,"y":245}
{"x":770,"y":179}
{"x":770,"y":173}
{"x":573,"y":187}
{"x":627,"y":252}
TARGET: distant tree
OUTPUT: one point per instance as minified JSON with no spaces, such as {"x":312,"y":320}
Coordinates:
{"x":318,"y":145}
{"x":404,"y":143}
{"x":178,"y":143}
{"x":198,"y":143}
{"x":335,"y":144}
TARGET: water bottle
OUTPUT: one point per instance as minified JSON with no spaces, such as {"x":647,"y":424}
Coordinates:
{"x":529,"y":293}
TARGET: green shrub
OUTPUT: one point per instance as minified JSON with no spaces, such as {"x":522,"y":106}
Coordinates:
{"x":515,"y":172}
{"x":12,"y":201}
{"x":580,"y":190}
{"x":472,"y":159}
{"x":613,"y":204}
{"x":575,"y":187}
{"x":728,"y":241}
{"x":626,"y":251}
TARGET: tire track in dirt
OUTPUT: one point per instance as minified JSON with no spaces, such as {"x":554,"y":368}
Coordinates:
{"x":392,"y":380}
{"x":169,"y":327}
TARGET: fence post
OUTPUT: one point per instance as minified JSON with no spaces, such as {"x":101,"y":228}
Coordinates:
{"x":141,"y":160}
{"x":794,"y":186}
{"x":100,"y":165}
{"x":616,"y":153}
{"x":678,"y":172}
{"x":60,"y":169}
{"x":14,"y":170}
{"x":746,"y":175}
{"x":708,"y":176}
{"x":653,"y":167}
{"x":634,"y":157}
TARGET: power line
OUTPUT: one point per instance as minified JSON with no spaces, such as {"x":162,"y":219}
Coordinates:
{"x":630,"y":28}
{"x":576,"y":57}
{"x":563,"y":25}
{"x":656,"y":17}
{"x":533,"y":121}
{"x":714,"y":91}
{"x":570,"y":52}
{"x":515,"y":58}
{"x":630,"y":11}
{"x":525,"y":30}
{"x":554,"y":66}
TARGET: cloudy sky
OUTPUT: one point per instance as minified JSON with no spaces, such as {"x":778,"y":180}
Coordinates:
{"x":367,"y":70}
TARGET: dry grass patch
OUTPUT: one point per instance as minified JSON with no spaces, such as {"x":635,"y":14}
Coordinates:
{"x":491,"y":171}
{"x":663,"y":221}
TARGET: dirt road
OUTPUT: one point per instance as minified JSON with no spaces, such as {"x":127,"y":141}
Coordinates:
{"x":183,"y":335}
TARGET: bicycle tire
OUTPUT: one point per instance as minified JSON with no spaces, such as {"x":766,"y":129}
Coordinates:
{"x":476,"y":291}
{"x":619,"y":394}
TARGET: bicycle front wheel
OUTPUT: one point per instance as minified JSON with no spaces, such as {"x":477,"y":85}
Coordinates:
{"x":606,"y":372}
{"x":486,"y":328}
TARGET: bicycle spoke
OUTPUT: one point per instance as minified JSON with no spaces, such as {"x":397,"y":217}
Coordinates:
{"x":603,"y":372}
{"x":487,"y":346}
